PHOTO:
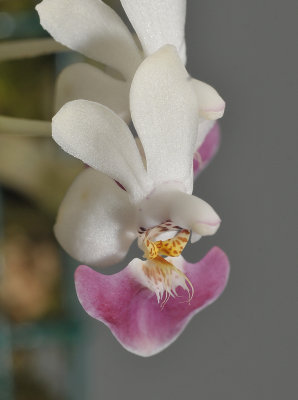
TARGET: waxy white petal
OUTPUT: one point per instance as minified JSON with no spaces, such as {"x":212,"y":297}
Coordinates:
{"x":95,"y":223}
{"x":211,"y":105}
{"x":164,"y":112}
{"x":84,"y":81}
{"x":169,"y":202}
{"x":97,"y":136}
{"x":92,"y":28}
{"x":158,"y":23}
{"x":193,"y":213}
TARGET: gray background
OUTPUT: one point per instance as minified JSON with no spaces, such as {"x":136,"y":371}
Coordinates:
{"x":245,"y":345}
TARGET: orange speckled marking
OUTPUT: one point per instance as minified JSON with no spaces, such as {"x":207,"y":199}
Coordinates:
{"x":150,"y":250}
{"x":173,"y":247}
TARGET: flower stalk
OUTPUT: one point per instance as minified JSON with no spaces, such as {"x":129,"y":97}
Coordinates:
{"x":19,"y":49}
{"x":24,"y":127}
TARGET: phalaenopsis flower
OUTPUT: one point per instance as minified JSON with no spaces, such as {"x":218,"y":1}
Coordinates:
{"x":124,"y":197}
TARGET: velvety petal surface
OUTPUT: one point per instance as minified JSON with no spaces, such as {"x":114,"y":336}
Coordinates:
{"x":194,"y":214}
{"x":92,"y":28}
{"x":211,"y":105}
{"x":84,"y":81}
{"x":95,"y":222}
{"x":158,"y":23}
{"x":169,"y":202}
{"x":97,"y":136}
{"x":207,"y":150}
{"x":131,"y":310}
{"x":164,"y":112}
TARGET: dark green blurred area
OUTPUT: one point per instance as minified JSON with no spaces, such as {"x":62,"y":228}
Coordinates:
{"x":26,"y":87}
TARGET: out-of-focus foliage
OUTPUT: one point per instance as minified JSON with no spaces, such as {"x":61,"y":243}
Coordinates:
{"x":27,"y":88}
{"x":30,"y":264}
{"x":17,"y":5}
{"x":34,"y":376}
{"x":29,"y":278}
{"x":38,"y":169}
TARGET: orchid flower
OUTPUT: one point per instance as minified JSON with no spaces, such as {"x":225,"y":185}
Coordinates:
{"x":148,"y":304}
{"x":93,"y":28}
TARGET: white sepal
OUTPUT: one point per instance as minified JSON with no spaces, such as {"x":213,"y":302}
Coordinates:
{"x":96,"y":221}
{"x":84,"y":81}
{"x":97,"y":136}
{"x":164,"y":112}
{"x":92,"y":28}
{"x":158,"y":23}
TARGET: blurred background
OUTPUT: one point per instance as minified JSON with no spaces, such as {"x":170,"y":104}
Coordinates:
{"x":245,"y":345}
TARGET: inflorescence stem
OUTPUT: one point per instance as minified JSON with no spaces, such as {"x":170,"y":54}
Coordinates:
{"x":17,"y":49}
{"x":24,"y":127}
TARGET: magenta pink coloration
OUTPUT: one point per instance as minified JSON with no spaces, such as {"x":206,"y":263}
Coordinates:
{"x":131,"y":310}
{"x":207,"y":150}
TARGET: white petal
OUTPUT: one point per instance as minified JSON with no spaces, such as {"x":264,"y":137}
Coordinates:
{"x":95,"y":223}
{"x":211,"y":105}
{"x":155,"y":208}
{"x":97,"y":136}
{"x":195,"y":237}
{"x":167,"y":202}
{"x":164,"y":112}
{"x":84,"y":81}
{"x":158,"y":23}
{"x":92,"y":28}
{"x":193,"y":213}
